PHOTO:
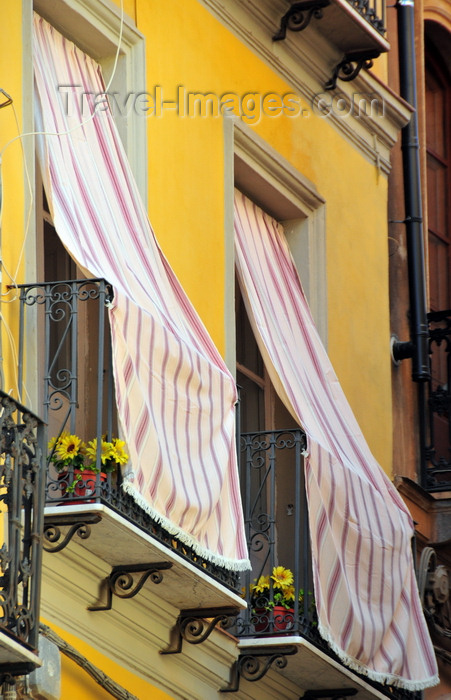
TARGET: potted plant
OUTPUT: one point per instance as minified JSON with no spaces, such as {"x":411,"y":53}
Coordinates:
{"x":76,"y":461}
{"x":279,"y":606}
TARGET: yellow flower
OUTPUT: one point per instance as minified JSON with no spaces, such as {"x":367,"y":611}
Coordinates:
{"x":68,"y":447}
{"x":282,"y":577}
{"x":54,"y":441}
{"x":119,"y":454}
{"x":51,"y":444}
{"x":289,"y":593}
{"x":261,"y":585}
{"x":106,"y":450}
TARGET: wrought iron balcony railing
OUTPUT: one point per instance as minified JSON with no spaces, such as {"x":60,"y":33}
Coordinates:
{"x":77,"y":394}
{"x":299,"y":15}
{"x":22,"y":438}
{"x":373,"y":11}
{"x":355,"y":27}
{"x":275,"y":513}
{"x":276,"y":517}
{"x":435,"y":407}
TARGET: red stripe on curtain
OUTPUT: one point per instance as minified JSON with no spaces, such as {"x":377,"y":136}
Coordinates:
{"x":365,"y":588}
{"x":175,"y":395}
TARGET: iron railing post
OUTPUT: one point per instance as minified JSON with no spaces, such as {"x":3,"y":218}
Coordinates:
{"x":21,"y":471}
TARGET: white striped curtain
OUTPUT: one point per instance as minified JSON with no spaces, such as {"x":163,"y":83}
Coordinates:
{"x":175,"y":395}
{"x":365,"y":587}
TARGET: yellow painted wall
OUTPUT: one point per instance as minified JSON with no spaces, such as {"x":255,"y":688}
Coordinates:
{"x":128,"y":7}
{"x":76,"y":684}
{"x":380,"y":67}
{"x":12,"y":174}
{"x":186,"y":198}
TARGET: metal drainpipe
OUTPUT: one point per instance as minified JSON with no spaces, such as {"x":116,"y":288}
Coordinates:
{"x":418,"y":347}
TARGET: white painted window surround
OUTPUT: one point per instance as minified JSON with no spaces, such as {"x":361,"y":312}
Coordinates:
{"x":94,"y":25}
{"x":276,"y":186}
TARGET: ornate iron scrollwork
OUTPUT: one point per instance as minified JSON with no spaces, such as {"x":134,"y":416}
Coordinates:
{"x":299,"y":15}
{"x":440,"y":401}
{"x":434,"y":586}
{"x":195,"y":626}
{"x":435,"y":407}
{"x":21,"y":507}
{"x":253,"y":664}
{"x":121,"y":582}
{"x":351,"y":65}
{"x":55,"y":539}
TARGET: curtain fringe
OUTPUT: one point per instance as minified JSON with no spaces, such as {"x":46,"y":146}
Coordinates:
{"x":184,"y":537}
{"x":379,"y":677}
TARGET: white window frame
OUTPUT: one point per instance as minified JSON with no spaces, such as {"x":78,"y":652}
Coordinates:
{"x":94,"y":26}
{"x":276,"y":186}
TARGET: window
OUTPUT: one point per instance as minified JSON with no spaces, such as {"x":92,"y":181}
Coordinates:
{"x":438,"y":154}
{"x":73,"y":321}
{"x":272,"y":183}
{"x":94,"y":25}
{"x":438,"y":133}
{"x":264,"y":177}
{"x":260,"y":410}
{"x":70,"y":327}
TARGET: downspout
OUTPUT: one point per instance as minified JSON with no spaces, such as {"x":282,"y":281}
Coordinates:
{"x":418,"y":346}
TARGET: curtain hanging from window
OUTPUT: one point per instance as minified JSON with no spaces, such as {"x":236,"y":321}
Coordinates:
{"x":175,"y":395}
{"x":365,"y":587}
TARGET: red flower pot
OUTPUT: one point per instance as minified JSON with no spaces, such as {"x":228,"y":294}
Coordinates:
{"x":279,"y":616}
{"x":283,"y":618}
{"x":85,"y":486}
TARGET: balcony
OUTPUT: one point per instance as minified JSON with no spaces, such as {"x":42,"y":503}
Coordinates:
{"x":276,"y":518}
{"x":355,"y":27}
{"x":22,"y":443}
{"x":435,"y":408}
{"x":89,"y":510}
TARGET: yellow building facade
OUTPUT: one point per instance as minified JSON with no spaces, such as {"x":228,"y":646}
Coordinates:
{"x":207,"y":101}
